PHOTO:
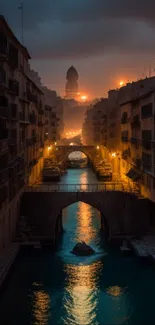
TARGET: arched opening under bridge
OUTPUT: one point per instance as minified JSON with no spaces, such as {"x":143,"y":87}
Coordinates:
{"x":82,"y":222}
{"x":77,"y":159}
{"x":62,"y":152}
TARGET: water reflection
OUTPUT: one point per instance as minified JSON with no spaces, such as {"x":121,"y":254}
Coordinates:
{"x":41,"y":305}
{"x":116,"y":305}
{"x":82,"y":275}
{"x":80,"y":298}
{"x":85,"y":230}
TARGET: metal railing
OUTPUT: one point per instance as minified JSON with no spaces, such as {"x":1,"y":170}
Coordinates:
{"x":74,"y":188}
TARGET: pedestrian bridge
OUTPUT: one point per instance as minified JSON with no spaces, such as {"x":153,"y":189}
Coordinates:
{"x":121,"y":210}
{"x":75,"y":188}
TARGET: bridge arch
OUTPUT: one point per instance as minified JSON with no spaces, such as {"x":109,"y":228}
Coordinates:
{"x":124,"y":213}
{"x":64,"y":151}
{"x":103,"y":220}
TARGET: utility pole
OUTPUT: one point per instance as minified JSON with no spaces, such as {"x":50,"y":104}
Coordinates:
{"x":21,"y":8}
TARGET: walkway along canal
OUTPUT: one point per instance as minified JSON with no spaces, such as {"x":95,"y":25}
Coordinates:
{"x":59,"y":288}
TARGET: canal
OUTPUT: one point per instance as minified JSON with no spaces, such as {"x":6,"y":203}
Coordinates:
{"x":50,"y":288}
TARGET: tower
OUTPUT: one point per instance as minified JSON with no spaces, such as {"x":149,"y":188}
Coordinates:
{"x":72,"y":83}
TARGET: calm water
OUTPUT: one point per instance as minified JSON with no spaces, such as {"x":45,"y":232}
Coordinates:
{"x":50,"y":289}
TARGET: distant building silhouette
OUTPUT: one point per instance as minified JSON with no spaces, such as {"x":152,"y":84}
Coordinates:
{"x":72,"y":83}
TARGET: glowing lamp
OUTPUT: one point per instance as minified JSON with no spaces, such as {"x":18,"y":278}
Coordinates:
{"x":121,"y":83}
{"x":83,"y":98}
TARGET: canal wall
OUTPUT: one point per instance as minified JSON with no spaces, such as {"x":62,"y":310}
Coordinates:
{"x":125,"y":214}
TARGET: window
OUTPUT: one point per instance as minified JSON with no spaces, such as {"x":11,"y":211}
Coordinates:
{"x":147,"y":110}
{"x":147,"y":135}
{"x":147,"y":161}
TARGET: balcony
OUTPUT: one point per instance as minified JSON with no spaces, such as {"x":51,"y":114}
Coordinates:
{"x":4,"y":112}
{"x":3,"y":145}
{"x":31,"y":97}
{"x":13,"y":112}
{"x":135,"y":123}
{"x":146,"y":144}
{"x":14,"y":86}
{"x":3,"y":195}
{"x":2,"y":78}
{"x":3,"y":161}
{"x":4,"y":177}
{"x":3,"y":134}
{"x":3,"y":51}
{"x":3,"y":47}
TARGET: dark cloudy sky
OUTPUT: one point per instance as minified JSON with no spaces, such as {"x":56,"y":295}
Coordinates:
{"x":106,"y":40}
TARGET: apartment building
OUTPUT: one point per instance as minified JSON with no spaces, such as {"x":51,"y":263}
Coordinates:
{"x":94,"y":130}
{"x":21,"y":129}
{"x":128,"y":138}
{"x":138,"y":137}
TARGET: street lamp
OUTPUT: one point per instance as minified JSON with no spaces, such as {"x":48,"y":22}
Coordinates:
{"x":98,"y":147}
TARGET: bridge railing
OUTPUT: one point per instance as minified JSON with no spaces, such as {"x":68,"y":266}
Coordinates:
{"x":101,"y":187}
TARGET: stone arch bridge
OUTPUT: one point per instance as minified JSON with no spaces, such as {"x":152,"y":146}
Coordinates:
{"x":124,"y":214}
{"x":62,"y":152}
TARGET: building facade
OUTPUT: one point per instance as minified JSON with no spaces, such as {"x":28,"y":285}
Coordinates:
{"x":21,"y":129}
{"x":54,"y":121}
{"x":123,"y":126}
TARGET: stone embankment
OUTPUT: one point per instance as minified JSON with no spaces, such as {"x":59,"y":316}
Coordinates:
{"x":144,"y":248}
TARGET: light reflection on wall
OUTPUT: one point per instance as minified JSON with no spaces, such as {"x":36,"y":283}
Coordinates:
{"x":41,"y":305}
{"x":81,"y":301}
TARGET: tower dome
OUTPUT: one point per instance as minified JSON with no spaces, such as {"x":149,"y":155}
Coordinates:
{"x":72,"y":84}
{"x":72,"y":74}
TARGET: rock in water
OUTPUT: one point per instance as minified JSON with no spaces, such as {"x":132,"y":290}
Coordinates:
{"x":82,"y":249}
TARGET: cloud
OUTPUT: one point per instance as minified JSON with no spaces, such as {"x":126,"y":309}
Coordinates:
{"x":61,"y":29}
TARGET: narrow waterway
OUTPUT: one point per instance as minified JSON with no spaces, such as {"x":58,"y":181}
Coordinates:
{"x":47,"y":288}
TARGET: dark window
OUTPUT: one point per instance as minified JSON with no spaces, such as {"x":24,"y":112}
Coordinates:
{"x":147,"y":110}
{"x":147,"y":161}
